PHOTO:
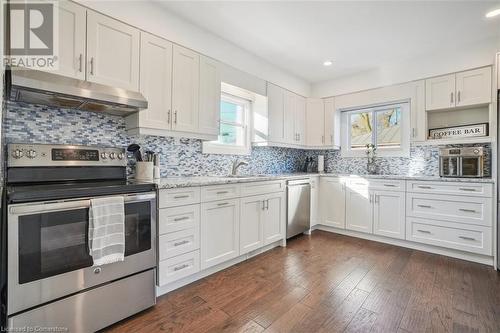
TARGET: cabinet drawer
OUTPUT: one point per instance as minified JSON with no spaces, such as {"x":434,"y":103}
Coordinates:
{"x":220,"y":192}
{"x":454,"y":188}
{"x":453,"y":208}
{"x":178,"y":267}
{"x":179,"y":197}
{"x":178,"y":218}
{"x":476,"y":239}
{"x":179,"y":242}
{"x":387,"y":185}
{"x":259,"y":188}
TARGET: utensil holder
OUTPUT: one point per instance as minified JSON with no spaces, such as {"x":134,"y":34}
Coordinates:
{"x":144,"y":171}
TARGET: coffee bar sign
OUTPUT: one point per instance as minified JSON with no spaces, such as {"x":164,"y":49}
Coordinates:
{"x":459,"y":131}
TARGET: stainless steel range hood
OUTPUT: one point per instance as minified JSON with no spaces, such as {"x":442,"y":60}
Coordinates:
{"x":38,"y":87}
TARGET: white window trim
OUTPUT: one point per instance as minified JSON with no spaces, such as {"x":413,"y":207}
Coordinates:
{"x":213,"y":147}
{"x":402,"y":151}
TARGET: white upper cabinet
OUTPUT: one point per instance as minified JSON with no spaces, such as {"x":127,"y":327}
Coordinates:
{"x":315,"y":122}
{"x":185,"y":89}
{"x":72,"y":28}
{"x":389,"y":214}
{"x":474,"y":87}
{"x":330,"y":123}
{"x":462,"y":89}
{"x":276,"y":113}
{"x":290,"y":106}
{"x":156,"y":82}
{"x":210,"y":90}
{"x":112,"y":52}
{"x":300,"y":119}
{"x":440,"y":92}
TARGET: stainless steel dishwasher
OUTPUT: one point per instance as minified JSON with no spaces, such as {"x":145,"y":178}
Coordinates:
{"x":298,"y":206}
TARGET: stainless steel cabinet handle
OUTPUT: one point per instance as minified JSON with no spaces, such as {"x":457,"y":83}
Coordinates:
{"x":267,"y":204}
{"x":177,"y":219}
{"x":424,"y":206}
{"x":424,"y":231}
{"x":92,"y":66}
{"x":181,"y":196}
{"x":222,"y":192}
{"x":80,"y":61}
{"x":467,"y":238}
{"x":467,"y":189}
{"x":263,"y":204}
{"x":451,"y":98}
{"x":390,"y":185}
{"x":181,"y":243}
{"x":223,"y":204}
{"x":424,"y":187}
{"x":458,"y":96}
{"x":322,"y":139}
{"x":175,"y":117}
{"x":178,"y":268}
{"x":467,"y":210}
{"x":370,"y":198}
{"x":168,"y":116}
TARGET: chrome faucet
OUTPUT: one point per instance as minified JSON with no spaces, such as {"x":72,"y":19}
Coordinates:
{"x":236,"y":164}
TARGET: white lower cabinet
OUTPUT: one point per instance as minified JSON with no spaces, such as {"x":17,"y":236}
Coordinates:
{"x":389,"y":214}
{"x":178,"y":267}
{"x":315,"y":214}
{"x":359,"y":212}
{"x":332,"y":202}
{"x":220,"y":223}
{"x":274,"y":220}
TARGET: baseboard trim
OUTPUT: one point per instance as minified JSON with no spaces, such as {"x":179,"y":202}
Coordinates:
{"x":486,"y":260}
{"x":209,"y":271}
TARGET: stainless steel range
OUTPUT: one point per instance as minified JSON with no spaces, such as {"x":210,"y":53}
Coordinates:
{"x":51,"y":280}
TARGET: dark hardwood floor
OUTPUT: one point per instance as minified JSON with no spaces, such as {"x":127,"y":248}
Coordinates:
{"x":332,"y":283}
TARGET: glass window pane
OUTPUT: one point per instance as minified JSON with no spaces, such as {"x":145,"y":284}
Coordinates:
{"x":389,"y":127}
{"x":231,"y":112}
{"x":361,"y":129}
{"x":231,"y":135}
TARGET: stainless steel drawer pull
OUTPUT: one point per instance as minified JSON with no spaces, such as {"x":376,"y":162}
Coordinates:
{"x":178,"y":268}
{"x":223,"y":204}
{"x":222,"y":192}
{"x":181,"y":243}
{"x":424,"y":187}
{"x":467,"y":238}
{"x":390,"y":185}
{"x":467,"y":189}
{"x":424,"y":206}
{"x":467,"y":210}
{"x":181,"y":196}
{"x":177,"y":219}
{"x":424,"y":231}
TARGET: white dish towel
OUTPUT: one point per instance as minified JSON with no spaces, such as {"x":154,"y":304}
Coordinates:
{"x":107,"y":230}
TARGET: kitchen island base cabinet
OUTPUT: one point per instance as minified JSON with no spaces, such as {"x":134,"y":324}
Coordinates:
{"x":389,"y":214}
{"x":220,"y":221}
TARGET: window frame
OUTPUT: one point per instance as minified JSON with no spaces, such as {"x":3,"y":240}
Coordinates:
{"x":403,"y":150}
{"x":234,"y":95}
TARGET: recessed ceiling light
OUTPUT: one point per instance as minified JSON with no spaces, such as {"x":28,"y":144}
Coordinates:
{"x":327,"y":63}
{"x":493,"y":13}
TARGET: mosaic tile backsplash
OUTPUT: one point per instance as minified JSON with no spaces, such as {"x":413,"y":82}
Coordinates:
{"x":28,"y":123}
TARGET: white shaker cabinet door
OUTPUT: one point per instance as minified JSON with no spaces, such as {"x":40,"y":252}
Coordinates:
{"x":474,"y":87}
{"x":112,"y":52}
{"x":332,"y":202}
{"x":251,"y":218}
{"x":440,"y":92}
{"x":274,"y":222}
{"x":220,"y":221}
{"x":210,"y":90}
{"x":156,"y":82}
{"x":315,"y":112}
{"x":359,"y":216}
{"x":72,"y":28}
{"x":276,"y":113}
{"x":389,"y":214}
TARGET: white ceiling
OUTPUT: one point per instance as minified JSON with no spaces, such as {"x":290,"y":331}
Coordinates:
{"x":298,"y":36}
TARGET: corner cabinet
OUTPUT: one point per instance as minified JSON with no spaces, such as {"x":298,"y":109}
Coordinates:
{"x":112,"y":52}
{"x":219,"y":232}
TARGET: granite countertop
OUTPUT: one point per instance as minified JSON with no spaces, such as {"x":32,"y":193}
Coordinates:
{"x":188,"y":181}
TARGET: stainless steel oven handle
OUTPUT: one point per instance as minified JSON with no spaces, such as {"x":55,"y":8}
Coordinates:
{"x":70,"y":204}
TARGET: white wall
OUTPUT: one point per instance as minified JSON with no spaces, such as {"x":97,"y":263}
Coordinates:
{"x":468,"y":56}
{"x":155,"y":19}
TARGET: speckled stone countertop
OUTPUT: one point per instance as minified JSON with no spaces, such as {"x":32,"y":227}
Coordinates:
{"x":176,"y":182}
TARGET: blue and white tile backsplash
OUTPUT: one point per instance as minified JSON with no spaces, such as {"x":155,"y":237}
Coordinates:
{"x":26,"y":123}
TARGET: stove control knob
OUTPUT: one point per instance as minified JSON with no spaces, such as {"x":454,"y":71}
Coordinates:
{"x":31,"y":153}
{"x":112,"y":156}
{"x":104,"y":156}
{"x":120,"y":156}
{"x":17,"y":153}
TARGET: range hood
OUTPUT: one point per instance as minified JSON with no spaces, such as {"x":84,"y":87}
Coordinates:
{"x":39,"y":87}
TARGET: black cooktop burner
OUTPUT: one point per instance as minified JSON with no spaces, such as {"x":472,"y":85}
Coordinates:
{"x":78,"y":189}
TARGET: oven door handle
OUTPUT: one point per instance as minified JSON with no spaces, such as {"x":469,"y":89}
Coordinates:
{"x":49,"y":206}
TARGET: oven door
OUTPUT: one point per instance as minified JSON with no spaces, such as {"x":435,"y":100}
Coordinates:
{"x":48,"y":249}
{"x":472,"y":166}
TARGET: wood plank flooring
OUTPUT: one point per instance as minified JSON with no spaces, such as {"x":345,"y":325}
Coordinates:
{"x":332,"y":283}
